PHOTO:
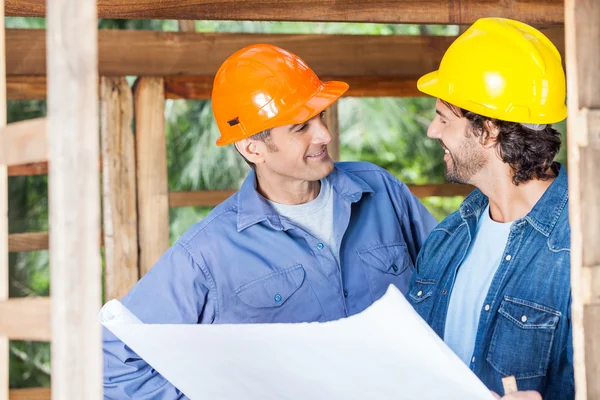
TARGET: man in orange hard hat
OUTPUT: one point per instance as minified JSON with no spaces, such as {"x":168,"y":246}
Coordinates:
{"x":303,"y":239}
{"x":493,"y":278}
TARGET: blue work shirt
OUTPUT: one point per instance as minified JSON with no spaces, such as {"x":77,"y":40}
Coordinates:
{"x":525,"y":320}
{"x":244,"y":263}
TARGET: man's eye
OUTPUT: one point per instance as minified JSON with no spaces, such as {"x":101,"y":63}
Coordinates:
{"x":302,"y":128}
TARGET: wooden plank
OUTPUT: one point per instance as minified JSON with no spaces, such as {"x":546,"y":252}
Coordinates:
{"x":30,"y":394}
{"x":152,"y":183}
{"x":26,"y":87}
{"x":331,"y":120}
{"x":24,"y":142}
{"x":200,"y":87}
{"x":399,"y":11}
{"x":582,"y":26}
{"x":119,"y":188}
{"x":153,"y":53}
{"x":40,"y":168}
{"x":211,"y":198}
{"x":26,"y":318}
{"x":74,"y":194}
{"x":34,"y":241}
{"x":200,"y":198}
{"x":4,"y":273}
{"x":186,"y":25}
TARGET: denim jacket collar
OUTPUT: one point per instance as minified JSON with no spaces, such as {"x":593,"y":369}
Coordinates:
{"x":252,"y":208}
{"x":543,"y":216}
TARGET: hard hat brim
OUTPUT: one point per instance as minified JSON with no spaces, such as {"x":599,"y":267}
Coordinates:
{"x":430,"y":84}
{"x":327,"y":94}
{"x":324,"y":97}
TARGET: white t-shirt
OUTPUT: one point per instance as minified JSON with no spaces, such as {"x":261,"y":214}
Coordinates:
{"x":315,"y":217}
{"x":472,"y":283}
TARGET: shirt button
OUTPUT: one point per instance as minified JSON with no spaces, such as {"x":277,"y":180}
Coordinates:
{"x":473,"y":359}
{"x":420,"y":293}
{"x":320,"y":246}
{"x":524,"y":318}
{"x":345,"y":293}
{"x":508,"y":257}
{"x":277,"y":297}
{"x":487,"y":307}
{"x":395,"y":267}
{"x":444,"y":291}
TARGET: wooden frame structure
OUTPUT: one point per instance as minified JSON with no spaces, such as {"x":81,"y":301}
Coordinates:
{"x":135,"y":195}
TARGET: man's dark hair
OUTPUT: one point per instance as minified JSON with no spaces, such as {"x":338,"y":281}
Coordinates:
{"x":530,"y":153}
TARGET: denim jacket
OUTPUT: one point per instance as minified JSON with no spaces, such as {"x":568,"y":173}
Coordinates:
{"x":525,"y":323}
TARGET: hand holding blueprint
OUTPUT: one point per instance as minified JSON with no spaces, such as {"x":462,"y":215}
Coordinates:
{"x":385,"y":352}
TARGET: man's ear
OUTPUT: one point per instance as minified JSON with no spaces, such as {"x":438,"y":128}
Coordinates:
{"x":491,"y":134}
{"x":252,"y":150}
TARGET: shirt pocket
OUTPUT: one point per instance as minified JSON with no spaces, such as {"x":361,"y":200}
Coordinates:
{"x":387,"y":264}
{"x":282,"y":296}
{"x":522,"y":339}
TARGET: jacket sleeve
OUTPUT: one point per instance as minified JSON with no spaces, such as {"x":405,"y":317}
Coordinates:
{"x":174,"y":291}
{"x":417,"y":222}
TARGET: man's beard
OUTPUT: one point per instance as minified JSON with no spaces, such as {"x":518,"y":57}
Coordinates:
{"x":465,"y":162}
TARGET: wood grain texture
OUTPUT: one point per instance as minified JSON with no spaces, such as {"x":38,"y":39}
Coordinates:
{"x":582,"y":28}
{"x":24,"y":142}
{"x":153,"y":53}
{"x":386,"y":11}
{"x":152,"y":184}
{"x":74,"y":199}
{"x":119,"y":210}
{"x":26,"y":318}
{"x":30,"y":394}
{"x":211,"y":198}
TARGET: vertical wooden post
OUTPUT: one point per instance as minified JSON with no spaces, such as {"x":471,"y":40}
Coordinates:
{"x":4,"y":351}
{"x":151,"y":158}
{"x":186,"y":25}
{"x":74,"y":199}
{"x":582,"y":29}
{"x":119,"y":188}
{"x":331,"y":119}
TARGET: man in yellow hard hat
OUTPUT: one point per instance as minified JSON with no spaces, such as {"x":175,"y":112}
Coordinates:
{"x":493,"y":278}
{"x":303,"y":239}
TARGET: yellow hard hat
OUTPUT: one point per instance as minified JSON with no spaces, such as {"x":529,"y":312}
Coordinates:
{"x":502,"y":69}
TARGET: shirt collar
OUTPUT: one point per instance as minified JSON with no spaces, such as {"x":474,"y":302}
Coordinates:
{"x":543,"y":216}
{"x":252,"y":208}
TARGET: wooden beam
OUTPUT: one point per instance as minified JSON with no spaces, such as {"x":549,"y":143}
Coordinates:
{"x":152,"y":183}
{"x":74,"y":194}
{"x":4,"y":275}
{"x":24,"y":142}
{"x":119,"y":188}
{"x":186,"y":25}
{"x":34,"y":241}
{"x":40,"y":168}
{"x":26,"y":87}
{"x":200,"y":87}
{"x":582,"y":25}
{"x":26,"y":318}
{"x":399,"y":11}
{"x":211,"y":198}
{"x":331,"y":120}
{"x":153,"y":53}
{"x":30,"y":394}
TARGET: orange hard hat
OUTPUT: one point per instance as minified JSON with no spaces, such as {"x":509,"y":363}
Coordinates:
{"x":263,"y":86}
